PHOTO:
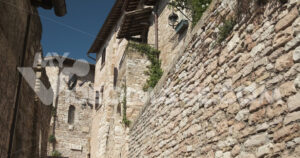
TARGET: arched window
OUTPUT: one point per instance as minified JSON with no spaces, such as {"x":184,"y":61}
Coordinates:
{"x":71,"y":114}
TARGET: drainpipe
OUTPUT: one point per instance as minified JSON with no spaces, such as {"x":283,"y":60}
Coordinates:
{"x":156,"y":29}
{"x":19,"y":84}
{"x":55,"y":107}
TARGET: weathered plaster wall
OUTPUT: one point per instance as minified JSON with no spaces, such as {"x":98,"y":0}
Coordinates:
{"x":72,"y":140}
{"x":240,"y":99}
{"x":32,"y":121}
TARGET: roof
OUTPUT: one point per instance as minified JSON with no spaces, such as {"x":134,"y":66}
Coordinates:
{"x":130,"y":5}
{"x":135,"y":22}
{"x":112,"y":19}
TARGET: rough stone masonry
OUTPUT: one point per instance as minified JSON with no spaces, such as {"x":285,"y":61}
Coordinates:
{"x":237,"y":99}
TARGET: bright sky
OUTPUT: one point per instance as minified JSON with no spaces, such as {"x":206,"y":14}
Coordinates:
{"x":76,"y":31}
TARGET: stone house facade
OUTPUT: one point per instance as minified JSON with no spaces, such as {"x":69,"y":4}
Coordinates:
{"x":73,"y":101}
{"x":24,"y":119}
{"x":119,"y":71}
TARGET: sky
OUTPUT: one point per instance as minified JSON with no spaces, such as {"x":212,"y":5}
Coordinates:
{"x":76,"y":31}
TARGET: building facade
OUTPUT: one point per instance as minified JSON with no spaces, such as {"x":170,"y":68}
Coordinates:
{"x":24,"y":118}
{"x":120,"y":69}
{"x":73,"y":102}
{"x":232,"y":98}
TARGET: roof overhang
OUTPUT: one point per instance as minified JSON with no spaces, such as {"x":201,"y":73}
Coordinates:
{"x":109,"y":24}
{"x":130,"y":5}
{"x":135,"y":23}
{"x":112,"y":19}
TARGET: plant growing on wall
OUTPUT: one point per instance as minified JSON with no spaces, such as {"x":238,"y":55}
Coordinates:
{"x":124,"y":102}
{"x":225,"y":30}
{"x":196,"y":7}
{"x":154,"y":70}
{"x":56,"y":153}
{"x":52,"y":139}
{"x":53,"y":112}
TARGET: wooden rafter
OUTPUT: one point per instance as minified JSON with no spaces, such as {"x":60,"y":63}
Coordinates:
{"x":135,"y":23}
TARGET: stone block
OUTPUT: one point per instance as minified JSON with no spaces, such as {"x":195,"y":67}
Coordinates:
{"x":246,"y":155}
{"x":280,"y":40}
{"x":229,"y":98}
{"x":264,"y":150}
{"x":285,"y":132}
{"x":292,"y":43}
{"x":291,"y":117}
{"x":258,"y":103}
{"x":248,"y":69}
{"x":256,"y":140}
{"x":276,"y":109}
{"x":242,"y":115}
{"x":257,"y":116}
{"x":275,"y":54}
{"x":297,"y":81}
{"x":233,"y":108}
{"x":284,"y":62}
{"x":260,"y":62}
{"x":287,"y":20}
{"x":287,"y":89}
{"x":257,"y":49}
{"x":236,"y":150}
{"x":296,"y":54}
{"x":296,"y":26}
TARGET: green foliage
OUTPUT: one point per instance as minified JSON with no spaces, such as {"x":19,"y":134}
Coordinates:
{"x":53,"y":112}
{"x":225,"y":30}
{"x":125,"y":120}
{"x":56,"y":153}
{"x":196,"y":7}
{"x":154,"y":70}
{"x":52,"y":139}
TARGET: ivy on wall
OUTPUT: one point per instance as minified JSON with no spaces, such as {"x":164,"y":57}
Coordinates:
{"x":124,"y":102}
{"x":154,"y":70}
{"x":226,"y":29}
{"x":52,"y":139}
{"x":56,"y":153}
{"x":196,"y":7}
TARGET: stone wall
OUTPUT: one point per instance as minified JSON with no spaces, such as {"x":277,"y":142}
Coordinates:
{"x":20,"y":36}
{"x":235,"y":99}
{"x":72,"y":138}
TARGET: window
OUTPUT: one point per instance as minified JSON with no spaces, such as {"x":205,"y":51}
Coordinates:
{"x":97,"y":103}
{"x":99,"y":98}
{"x":115,"y":77}
{"x":101,"y":95}
{"x":71,"y":115}
{"x":103,"y":56}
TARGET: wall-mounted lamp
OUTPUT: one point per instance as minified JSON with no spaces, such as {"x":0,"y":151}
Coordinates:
{"x":173,"y":20}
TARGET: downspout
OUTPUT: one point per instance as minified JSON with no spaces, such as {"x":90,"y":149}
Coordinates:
{"x":55,"y":107}
{"x":156,"y":29}
{"x":19,"y":84}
